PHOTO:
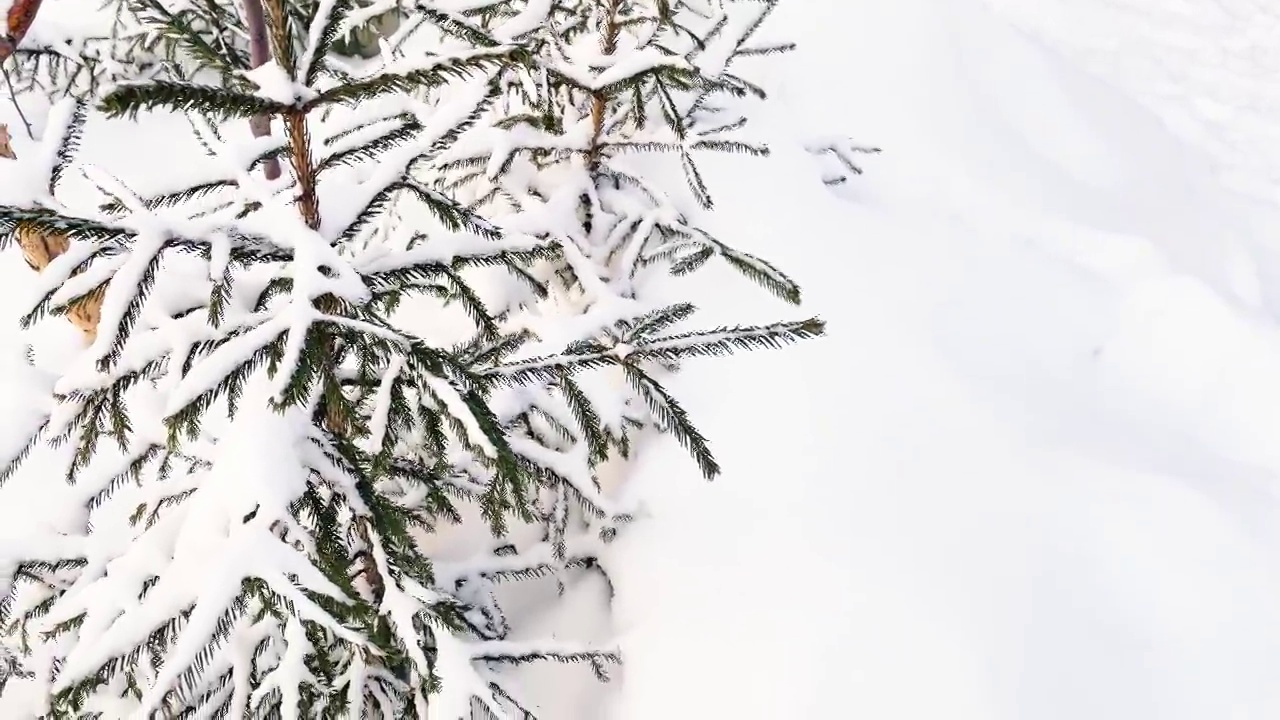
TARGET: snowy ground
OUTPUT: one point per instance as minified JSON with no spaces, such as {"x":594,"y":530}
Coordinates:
{"x":1208,"y":67}
{"x":1032,"y":474}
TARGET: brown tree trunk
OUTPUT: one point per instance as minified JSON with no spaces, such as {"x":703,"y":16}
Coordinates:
{"x":608,"y":46}
{"x":259,"y":54}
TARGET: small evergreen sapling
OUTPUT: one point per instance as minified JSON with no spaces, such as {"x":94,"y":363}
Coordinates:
{"x":256,"y":441}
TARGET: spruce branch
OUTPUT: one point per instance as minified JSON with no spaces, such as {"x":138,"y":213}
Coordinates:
{"x":457,"y":27}
{"x":520,"y":654}
{"x":67,"y":144}
{"x":437,"y":73}
{"x":326,"y":29}
{"x":129,"y":99}
{"x":403,"y":130}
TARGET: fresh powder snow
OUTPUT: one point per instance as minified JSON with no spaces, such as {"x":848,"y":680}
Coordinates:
{"x":1033,"y":471}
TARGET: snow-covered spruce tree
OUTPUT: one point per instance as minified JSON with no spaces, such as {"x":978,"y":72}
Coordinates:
{"x":271,"y":565}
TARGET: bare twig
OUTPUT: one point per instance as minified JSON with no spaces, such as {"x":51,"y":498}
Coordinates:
{"x":13,"y":97}
{"x":21,"y":14}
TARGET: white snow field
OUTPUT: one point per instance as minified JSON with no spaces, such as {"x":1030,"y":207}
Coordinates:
{"x":1034,"y":472}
